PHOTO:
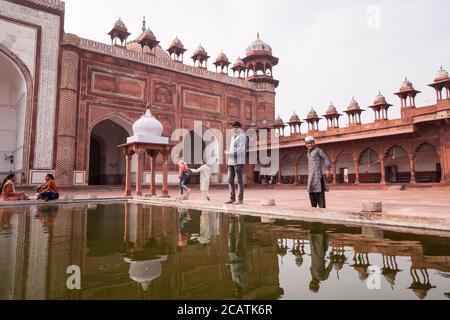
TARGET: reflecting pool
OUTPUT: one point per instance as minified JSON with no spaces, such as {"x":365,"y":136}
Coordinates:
{"x":132,"y":251}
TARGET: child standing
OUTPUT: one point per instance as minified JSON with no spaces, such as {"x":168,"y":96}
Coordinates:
{"x":205,"y":174}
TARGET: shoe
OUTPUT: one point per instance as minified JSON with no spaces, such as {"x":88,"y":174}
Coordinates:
{"x":230,"y":202}
{"x":239,"y":202}
{"x":189,"y":191}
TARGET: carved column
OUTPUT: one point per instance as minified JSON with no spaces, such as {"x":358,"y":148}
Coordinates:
{"x":356,"y":162}
{"x":128,"y":157}
{"x":382,"y":170}
{"x":153,"y":155}
{"x":412,"y":167}
{"x":67,"y":118}
{"x":165,"y":189}
{"x":139,"y":173}
{"x":334,"y":172}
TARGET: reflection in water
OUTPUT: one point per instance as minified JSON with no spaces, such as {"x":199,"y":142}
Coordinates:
{"x":143,"y":252}
{"x":318,"y":242}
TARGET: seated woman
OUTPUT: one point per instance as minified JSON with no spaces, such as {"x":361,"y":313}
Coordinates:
{"x":8,"y":192}
{"x":48,"y":190}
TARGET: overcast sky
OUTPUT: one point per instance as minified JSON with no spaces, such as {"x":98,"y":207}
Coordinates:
{"x":328,"y":50}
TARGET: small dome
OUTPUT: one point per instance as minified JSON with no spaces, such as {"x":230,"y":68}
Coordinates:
{"x":264,"y":122}
{"x":379,"y":99}
{"x":145,"y":272}
{"x":119,"y":23}
{"x":442,"y":74}
{"x":157,"y":51}
{"x":294,"y":118}
{"x":331,"y":109}
{"x":200,"y":51}
{"x":147,"y":124}
{"x":258,"y":45}
{"x":239,"y":63}
{"x":353,"y":105}
{"x":222,"y":57}
{"x":149,"y":33}
{"x":279,"y":121}
{"x":177,"y":43}
{"x":407,"y":85}
{"x":312,"y":113}
{"x":147,"y":130}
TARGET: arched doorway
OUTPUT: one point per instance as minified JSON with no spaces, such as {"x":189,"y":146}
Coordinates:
{"x":345,"y":168}
{"x":427,"y":164}
{"x":369,"y":167}
{"x":396,"y":164}
{"x":106,"y":160}
{"x":287,"y":168}
{"x":13,"y":115}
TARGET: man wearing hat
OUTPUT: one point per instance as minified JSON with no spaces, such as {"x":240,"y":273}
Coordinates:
{"x":316,"y":182}
{"x":236,"y":163}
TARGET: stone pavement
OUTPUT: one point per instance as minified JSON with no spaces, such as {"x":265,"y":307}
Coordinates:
{"x":418,"y":207}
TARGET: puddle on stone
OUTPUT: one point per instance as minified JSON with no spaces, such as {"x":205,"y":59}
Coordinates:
{"x":131,"y":251}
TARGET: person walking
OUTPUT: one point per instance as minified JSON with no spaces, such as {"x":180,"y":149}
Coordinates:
{"x":317,"y":185}
{"x":236,"y":162}
{"x":205,"y":174}
{"x":183,"y":170}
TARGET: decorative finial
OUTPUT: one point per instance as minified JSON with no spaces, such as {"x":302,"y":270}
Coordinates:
{"x":143,"y":24}
{"x":257,"y":34}
{"x":379,"y":92}
{"x":406,"y":78}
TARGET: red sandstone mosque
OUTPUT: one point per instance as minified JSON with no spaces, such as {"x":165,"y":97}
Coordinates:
{"x":67,"y":102}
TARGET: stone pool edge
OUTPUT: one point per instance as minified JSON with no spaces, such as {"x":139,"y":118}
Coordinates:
{"x":317,"y":215}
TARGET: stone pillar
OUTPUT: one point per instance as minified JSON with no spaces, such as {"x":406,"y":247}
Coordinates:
{"x":334,"y":172}
{"x":296,"y":173}
{"x":382,"y":170}
{"x":139,"y":173}
{"x":128,"y":174}
{"x":153,"y":155}
{"x":412,"y":168}
{"x":165,"y":190}
{"x":67,"y":118}
{"x":356,"y":162}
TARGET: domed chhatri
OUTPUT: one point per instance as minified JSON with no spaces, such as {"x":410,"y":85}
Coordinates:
{"x":406,"y":85}
{"x":222,"y":57}
{"x":279,"y":121}
{"x":200,"y":51}
{"x":148,"y":130}
{"x":258,"y":46}
{"x":331,"y":109}
{"x":144,"y":272}
{"x":354,"y":105}
{"x":442,"y":74}
{"x":239,"y":63}
{"x":312,"y":114}
{"x":380,"y":99}
{"x":119,"y":24}
{"x":294,"y":118}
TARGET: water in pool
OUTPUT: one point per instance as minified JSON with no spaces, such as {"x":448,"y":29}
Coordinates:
{"x":129,"y":251}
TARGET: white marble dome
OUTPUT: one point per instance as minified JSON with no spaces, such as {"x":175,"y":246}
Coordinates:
{"x":144,"y":272}
{"x":148,"y":130}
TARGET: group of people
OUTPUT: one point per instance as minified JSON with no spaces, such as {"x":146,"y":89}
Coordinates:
{"x":317,"y":159}
{"x":236,"y":162}
{"x":46,"y":191}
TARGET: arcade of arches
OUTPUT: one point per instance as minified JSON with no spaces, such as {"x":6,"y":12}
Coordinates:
{"x":395,"y":165}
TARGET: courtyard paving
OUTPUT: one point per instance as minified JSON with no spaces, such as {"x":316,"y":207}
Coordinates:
{"x":415,"y":207}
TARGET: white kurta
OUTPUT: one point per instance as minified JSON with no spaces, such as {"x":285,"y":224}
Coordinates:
{"x":205,"y":174}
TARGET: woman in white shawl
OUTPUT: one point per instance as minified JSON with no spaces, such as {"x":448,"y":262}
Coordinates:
{"x":205,"y":174}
